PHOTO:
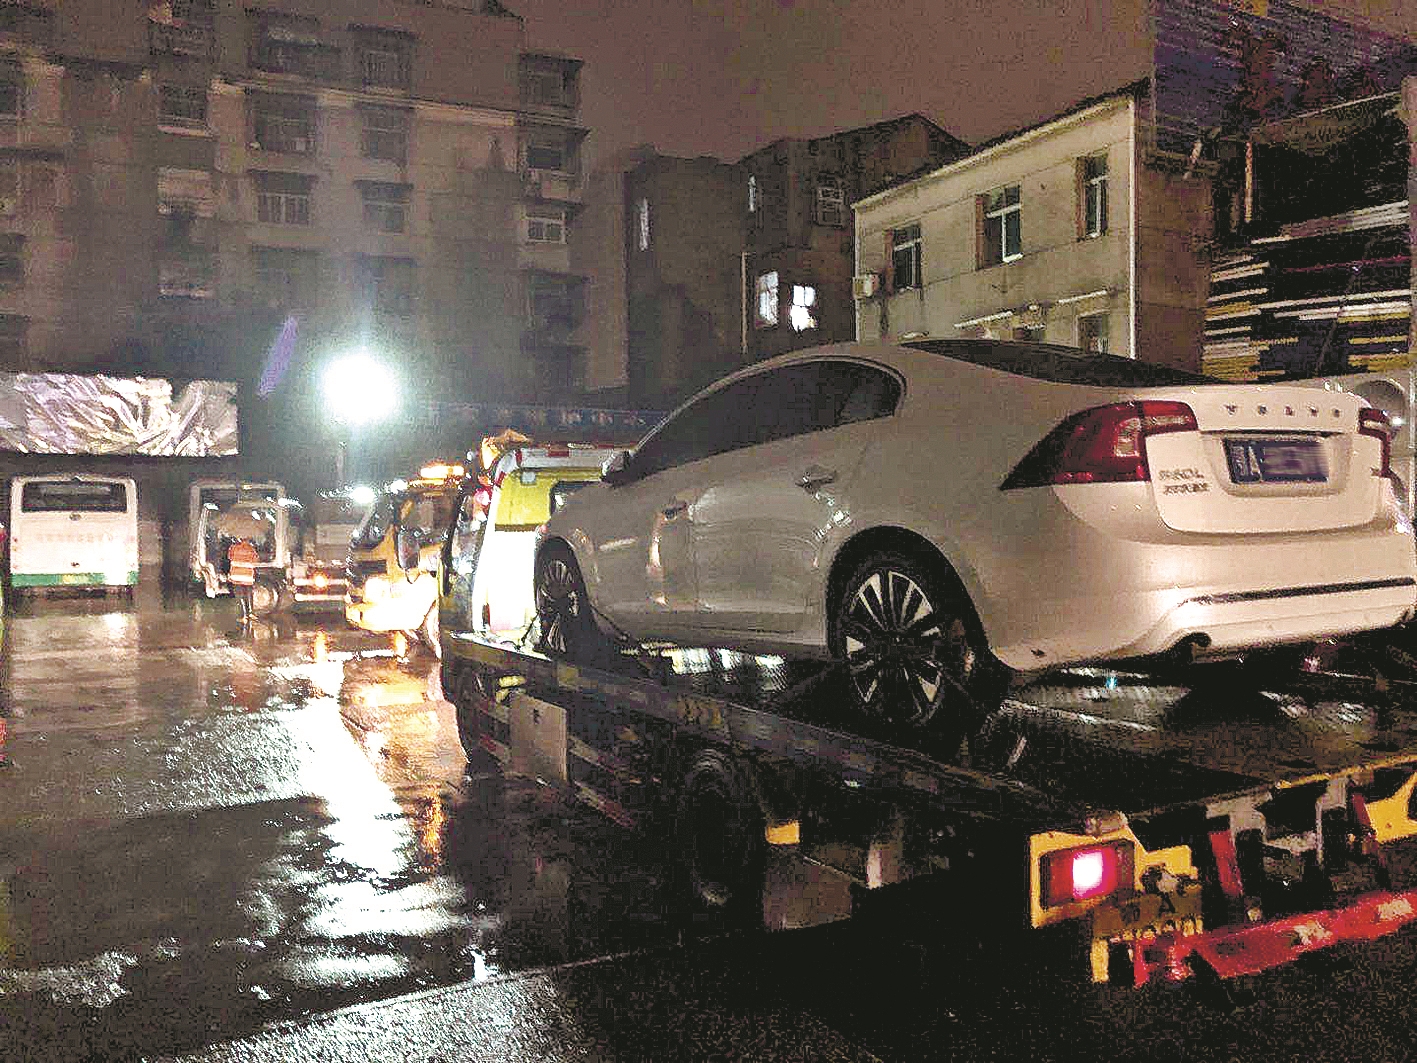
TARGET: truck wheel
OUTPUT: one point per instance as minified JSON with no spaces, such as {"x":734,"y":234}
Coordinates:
{"x":428,"y":631}
{"x":467,"y":689}
{"x":563,"y":608}
{"x":913,"y":647}
{"x":718,"y":833}
{"x":264,"y":598}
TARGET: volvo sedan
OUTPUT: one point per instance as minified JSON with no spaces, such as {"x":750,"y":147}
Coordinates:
{"x":929,"y":512}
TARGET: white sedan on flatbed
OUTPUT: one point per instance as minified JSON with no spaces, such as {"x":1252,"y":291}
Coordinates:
{"x":925,"y":511}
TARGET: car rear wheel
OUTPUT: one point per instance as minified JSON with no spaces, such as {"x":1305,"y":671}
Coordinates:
{"x":912,"y":647}
{"x":563,"y":608}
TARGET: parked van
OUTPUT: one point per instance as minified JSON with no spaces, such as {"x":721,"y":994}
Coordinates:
{"x":486,"y":574}
{"x":73,"y":531}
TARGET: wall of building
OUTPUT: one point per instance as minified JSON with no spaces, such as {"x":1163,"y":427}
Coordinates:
{"x":683,"y":291}
{"x":1057,"y":279}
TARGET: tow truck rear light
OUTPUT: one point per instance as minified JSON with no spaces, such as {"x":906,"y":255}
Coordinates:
{"x":1375,"y":423}
{"x":1102,"y":445}
{"x":1086,"y":873}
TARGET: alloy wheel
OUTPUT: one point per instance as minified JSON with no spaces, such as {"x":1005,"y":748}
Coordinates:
{"x":558,"y":605}
{"x":904,"y":652}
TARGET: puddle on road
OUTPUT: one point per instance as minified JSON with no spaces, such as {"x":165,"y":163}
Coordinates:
{"x":253,"y":823}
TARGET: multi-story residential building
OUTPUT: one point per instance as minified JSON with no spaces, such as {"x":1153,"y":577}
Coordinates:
{"x":1065,"y":232}
{"x":726,"y":264}
{"x":797,"y":197}
{"x":200,"y":188}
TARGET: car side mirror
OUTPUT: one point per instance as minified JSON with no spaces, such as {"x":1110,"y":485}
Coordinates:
{"x":616,"y":469}
{"x":410,"y":541}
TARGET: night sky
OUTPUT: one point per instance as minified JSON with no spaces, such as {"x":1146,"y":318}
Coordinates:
{"x":725,"y":77}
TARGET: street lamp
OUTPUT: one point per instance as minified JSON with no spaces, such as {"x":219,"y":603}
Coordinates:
{"x":358,"y":390}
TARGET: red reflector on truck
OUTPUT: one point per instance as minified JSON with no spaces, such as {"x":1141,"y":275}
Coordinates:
{"x":1081,"y":874}
{"x":1102,"y":445}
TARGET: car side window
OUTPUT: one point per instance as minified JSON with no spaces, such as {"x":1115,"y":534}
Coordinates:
{"x":706,"y":427}
{"x":814,"y":396}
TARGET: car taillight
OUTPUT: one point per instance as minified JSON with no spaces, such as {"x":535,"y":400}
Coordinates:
{"x":1100,"y":445}
{"x":1083,"y":874}
{"x":1375,"y":423}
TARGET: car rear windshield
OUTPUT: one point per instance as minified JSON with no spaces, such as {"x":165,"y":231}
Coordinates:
{"x":71,"y":496}
{"x":1061,"y":365}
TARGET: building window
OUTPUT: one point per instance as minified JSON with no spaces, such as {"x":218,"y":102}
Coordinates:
{"x":642,"y":224}
{"x":182,"y":105}
{"x":284,"y":278}
{"x":544,"y":225}
{"x":1092,"y":195}
{"x":553,"y":303}
{"x":1092,"y":332}
{"x":12,"y":260}
{"x":547,"y":153}
{"x":388,"y":284}
{"x":385,"y":59}
{"x":1001,"y":237}
{"x":290,"y":44}
{"x":12,"y":91}
{"x":384,"y":134}
{"x":906,"y":257}
{"x":803,"y":313}
{"x":752,"y":194}
{"x":548,"y":88}
{"x":184,"y":199}
{"x":284,"y":123}
{"x":187,"y":273}
{"x":765,"y":316}
{"x":283,"y":198}
{"x":385,"y":205}
{"x":831,"y":202}
{"x":181,"y":27}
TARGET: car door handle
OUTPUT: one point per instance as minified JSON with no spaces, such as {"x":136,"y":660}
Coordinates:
{"x":675,"y":509}
{"x":815,"y":477}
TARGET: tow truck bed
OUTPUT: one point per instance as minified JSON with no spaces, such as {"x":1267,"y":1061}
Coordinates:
{"x":1173,"y":829}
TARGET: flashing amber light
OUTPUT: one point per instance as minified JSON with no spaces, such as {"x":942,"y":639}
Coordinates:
{"x":441,"y":471}
{"x":320,"y":581}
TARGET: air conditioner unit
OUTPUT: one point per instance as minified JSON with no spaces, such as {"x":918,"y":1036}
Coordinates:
{"x":299,"y":145}
{"x":865,"y":285}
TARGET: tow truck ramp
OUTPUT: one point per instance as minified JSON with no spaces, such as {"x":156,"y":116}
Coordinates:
{"x":1169,"y":832}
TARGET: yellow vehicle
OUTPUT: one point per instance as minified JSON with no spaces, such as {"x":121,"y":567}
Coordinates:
{"x":485,"y":583}
{"x":388,"y":592}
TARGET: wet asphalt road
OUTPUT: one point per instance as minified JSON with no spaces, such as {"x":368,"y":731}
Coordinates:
{"x":226,"y":843}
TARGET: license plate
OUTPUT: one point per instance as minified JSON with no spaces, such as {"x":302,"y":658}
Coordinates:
{"x":1149,"y":915}
{"x":70,"y":577}
{"x":1271,"y":461}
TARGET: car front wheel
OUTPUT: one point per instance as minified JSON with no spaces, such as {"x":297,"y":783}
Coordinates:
{"x":912,"y":648}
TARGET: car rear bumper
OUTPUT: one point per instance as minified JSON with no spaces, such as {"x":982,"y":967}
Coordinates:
{"x":1093,"y":596}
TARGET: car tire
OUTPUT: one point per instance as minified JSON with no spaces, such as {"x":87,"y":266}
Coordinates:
{"x":428,"y":632}
{"x":915,"y":655}
{"x":563,"y":609}
{"x":719,"y":840}
{"x":469,"y":687}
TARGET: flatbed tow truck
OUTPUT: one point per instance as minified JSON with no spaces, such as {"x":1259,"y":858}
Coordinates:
{"x":1158,"y":833}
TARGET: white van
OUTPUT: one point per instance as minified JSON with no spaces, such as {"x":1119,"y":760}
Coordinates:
{"x":73,"y":531}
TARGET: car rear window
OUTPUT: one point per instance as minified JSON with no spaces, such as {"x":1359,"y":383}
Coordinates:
{"x":71,"y":496}
{"x":1061,"y":365}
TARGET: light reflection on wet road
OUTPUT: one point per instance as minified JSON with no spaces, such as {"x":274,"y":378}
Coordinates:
{"x":221,"y":826}
{"x":206,"y":830}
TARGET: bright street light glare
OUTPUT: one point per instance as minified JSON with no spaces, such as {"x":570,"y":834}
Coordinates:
{"x":359,"y":390}
{"x":361,"y":494}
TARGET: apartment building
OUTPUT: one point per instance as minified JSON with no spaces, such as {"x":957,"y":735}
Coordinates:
{"x":200,"y":188}
{"x":729,"y":263}
{"x":1066,"y":232}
